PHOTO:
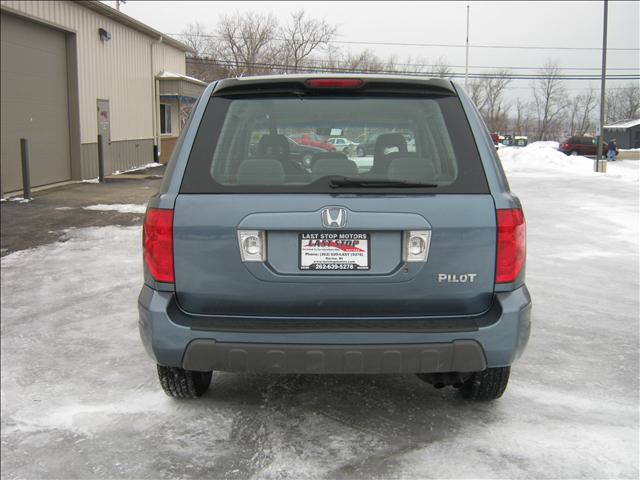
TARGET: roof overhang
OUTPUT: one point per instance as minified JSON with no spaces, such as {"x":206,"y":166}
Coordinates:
{"x":175,"y":86}
{"x":164,"y":75}
{"x":623,"y":125}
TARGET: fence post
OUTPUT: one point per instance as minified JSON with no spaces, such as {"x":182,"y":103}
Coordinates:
{"x":26,"y":179}
{"x":100,"y":160}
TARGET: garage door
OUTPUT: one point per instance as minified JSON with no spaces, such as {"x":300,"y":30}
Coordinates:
{"x":34,"y":102}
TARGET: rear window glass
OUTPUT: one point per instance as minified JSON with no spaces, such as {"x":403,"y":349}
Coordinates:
{"x":334,"y":144}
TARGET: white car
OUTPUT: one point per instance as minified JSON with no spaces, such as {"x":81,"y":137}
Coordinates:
{"x":342,"y":144}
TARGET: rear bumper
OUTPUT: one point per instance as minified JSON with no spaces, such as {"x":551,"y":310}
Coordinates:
{"x":174,"y":338}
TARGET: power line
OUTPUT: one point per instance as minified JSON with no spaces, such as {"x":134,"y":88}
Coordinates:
{"x":494,"y":67}
{"x":535,"y":68}
{"x":448,"y":45}
{"x":424,"y":65}
{"x":329,"y":69}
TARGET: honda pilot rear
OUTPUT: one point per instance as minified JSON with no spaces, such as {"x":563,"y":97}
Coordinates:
{"x":409,"y":260}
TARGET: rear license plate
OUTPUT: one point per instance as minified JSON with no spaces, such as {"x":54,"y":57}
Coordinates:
{"x":334,"y":251}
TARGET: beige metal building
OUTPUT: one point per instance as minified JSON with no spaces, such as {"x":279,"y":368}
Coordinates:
{"x":73,"y":70}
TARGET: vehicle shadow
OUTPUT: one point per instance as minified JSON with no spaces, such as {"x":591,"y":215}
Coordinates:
{"x":376,"y":417}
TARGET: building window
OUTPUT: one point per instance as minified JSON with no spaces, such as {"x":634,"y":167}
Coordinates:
{"x":165,"y":118}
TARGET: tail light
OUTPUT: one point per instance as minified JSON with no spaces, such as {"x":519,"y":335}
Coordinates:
{"x":334,"y":83}
{"x":511,"y":244}
{"x":158,"y":244}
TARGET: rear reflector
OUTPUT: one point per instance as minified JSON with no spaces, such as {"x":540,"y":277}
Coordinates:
{"x":334,"y":83}
{"x":511,"y":244}
{"x":158,"y":244}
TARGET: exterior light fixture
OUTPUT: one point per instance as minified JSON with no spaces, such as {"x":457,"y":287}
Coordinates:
{"x":105,"y":36}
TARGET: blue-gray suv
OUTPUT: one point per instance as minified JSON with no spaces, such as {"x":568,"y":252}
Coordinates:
{"x":403,"y":261}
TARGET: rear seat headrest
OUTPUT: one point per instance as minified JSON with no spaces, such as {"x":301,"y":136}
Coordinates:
{"x":334,"y":166}
{"x":273,"y":145}
{"x":260,"y":171}
{"x":324,"y":155}
{"x":408,"y":168}
{"x":389,"y":140}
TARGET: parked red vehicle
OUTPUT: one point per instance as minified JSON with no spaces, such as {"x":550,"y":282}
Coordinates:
{"x":312,"y":140}
{"x":581,"y":146}
{"x":496,"y":139}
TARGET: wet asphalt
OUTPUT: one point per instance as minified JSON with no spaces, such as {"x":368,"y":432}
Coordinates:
{"x":54,"y":210}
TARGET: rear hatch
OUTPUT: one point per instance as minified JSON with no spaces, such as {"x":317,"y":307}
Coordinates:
{"x":404,"y":232}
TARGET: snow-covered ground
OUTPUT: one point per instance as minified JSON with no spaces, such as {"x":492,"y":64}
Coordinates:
{"x":80,"y":398}
{"x":542,"y":159}
{"x":118,"y":207}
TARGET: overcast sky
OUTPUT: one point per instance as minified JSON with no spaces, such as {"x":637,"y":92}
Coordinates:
{"x":537,"y":24}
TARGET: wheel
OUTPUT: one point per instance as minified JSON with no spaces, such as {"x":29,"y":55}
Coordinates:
{"x":180,"y":383}
{"x":573,"y":153}
{"x":486,"y":385}
{"x":360,"y":152}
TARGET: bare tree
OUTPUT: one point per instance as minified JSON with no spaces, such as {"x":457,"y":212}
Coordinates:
{"x":630,"y":100}
{"x":391,"y":64}
{"x":302,"y":36}
{"x":623,"y":103}
{"x":487,"y":93}
{"x":439,"y":68}
{"x":494,"y":109}
{"x":245,"y":42}
{"x":198,"y":38}
{"x":581,"y":109}
{"x":475,"y":89}
{"x":364,"y":61}
{"x":522,"y":120}
{"x":549,"y":101}
{"x":206,"y":69}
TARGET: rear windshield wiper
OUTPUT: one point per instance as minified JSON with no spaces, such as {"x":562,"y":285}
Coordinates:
{"x":376,"y":183}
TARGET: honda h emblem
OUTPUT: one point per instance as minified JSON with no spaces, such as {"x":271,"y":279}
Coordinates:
{"x":334,"y":217}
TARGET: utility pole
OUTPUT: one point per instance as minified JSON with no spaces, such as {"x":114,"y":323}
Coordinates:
{"x":466,"y":62}
{"x":600,"y":165}
{"x":118,"y":2}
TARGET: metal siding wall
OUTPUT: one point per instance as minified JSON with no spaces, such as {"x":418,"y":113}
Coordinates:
{"x":124,"y":155}
{"x":119,"y":70}
{"x":168,"y":59}
{"x":192,"y":90}
{"x":89,"y":160}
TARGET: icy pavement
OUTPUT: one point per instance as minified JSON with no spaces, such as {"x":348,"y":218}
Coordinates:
{"x":80,"y":398}
{"x":118,"y":207}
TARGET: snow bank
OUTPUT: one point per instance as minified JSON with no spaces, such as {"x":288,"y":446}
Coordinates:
{"x":142,"y":167}
{"x":544,"y":158}
{"x":15,"y":199}
{"x":118,"y":207}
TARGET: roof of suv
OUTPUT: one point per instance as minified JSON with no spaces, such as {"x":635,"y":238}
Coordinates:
{"x":376,"y":82}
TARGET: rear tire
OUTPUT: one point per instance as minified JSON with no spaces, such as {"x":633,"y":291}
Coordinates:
{"x":573,"y":153}
{"x":486,"y":385}
{"x":180,"y":383}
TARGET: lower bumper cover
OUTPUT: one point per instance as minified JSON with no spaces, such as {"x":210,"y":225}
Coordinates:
{"x":457,"y":356}
{"x":455,"y":344}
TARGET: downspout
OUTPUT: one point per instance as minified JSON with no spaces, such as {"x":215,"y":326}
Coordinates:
{"x":155,"y":92}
